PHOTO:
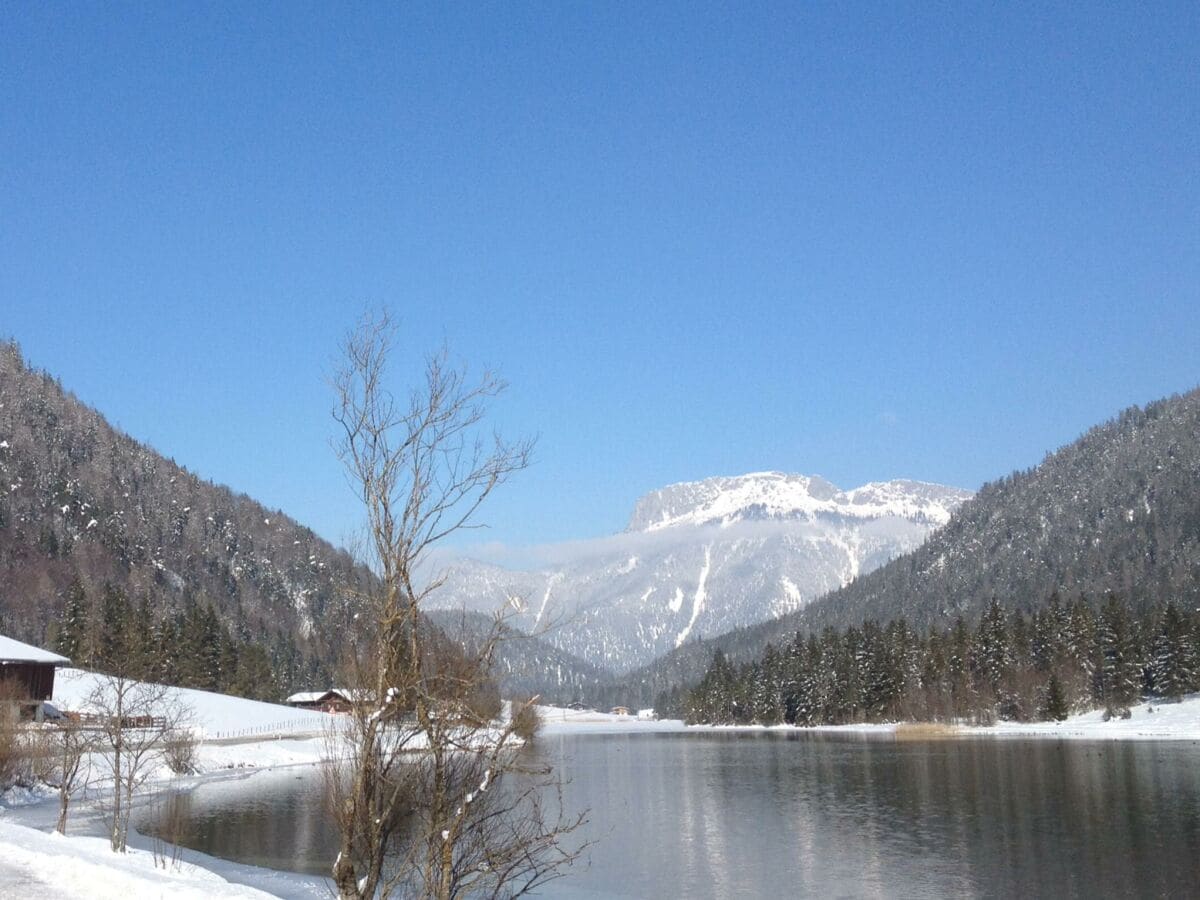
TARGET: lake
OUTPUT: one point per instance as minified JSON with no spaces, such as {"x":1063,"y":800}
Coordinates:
{"x":771,"y":814}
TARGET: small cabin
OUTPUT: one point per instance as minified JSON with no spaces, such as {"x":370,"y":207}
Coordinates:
{"x":620,"y":710}
{"x":334,"y":700}
{"x":646,"y":715}
{"x":27,"y":676}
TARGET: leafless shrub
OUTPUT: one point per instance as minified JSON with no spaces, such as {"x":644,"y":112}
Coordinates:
{"x":179,"y":751}
{"x":134,"y":719}
{"x":67,"y":745}
{"x":525,"y":719}
{"x":168,"y":838}
{"x":18,"y":755}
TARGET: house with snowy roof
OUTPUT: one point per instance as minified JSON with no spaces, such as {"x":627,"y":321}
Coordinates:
{"x":334,"y":700}
{"x":27,"y":676}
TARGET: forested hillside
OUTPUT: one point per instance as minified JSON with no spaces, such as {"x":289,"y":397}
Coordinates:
{"x":1117,"y":511}
{"x":1063,"y":658}
{"x":525,"y":665}
{"x":90,"y":516}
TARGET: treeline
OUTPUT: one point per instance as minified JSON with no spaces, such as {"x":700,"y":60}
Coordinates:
{"x":189,"y":648}
{"x":1062,"y":658}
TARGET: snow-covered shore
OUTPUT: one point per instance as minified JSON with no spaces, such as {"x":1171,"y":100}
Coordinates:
{"x":1155,"y":720}
{"x":242,"y":737}
{"x":239,"y":738}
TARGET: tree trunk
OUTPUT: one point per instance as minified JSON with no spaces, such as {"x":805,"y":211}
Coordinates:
{"x":64,"y":800}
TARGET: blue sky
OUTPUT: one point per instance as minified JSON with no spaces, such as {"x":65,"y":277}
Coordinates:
{"x":864,"y":241}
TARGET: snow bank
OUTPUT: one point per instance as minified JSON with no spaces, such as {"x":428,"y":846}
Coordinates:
{"x":1147,"y":721}
{"x":37,"y":864}
{"x":556,"y":720}
{"x":218,"y":715}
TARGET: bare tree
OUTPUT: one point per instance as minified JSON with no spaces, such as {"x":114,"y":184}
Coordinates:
{"x":134,"y":722}
{"x":430,"y":790}
{"x":70,"y":746}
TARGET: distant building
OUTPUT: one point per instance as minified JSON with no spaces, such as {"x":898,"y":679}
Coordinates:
{"x":620,"y":710}
{"x":646,"y":715}
{"x":334,"y":700}
{"x":27,"y":677}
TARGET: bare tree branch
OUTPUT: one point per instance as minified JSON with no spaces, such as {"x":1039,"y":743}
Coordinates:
{"x":429,"y":783}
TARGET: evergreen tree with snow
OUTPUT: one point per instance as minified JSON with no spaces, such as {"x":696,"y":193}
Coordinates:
{"x":112,"y":651}
{"x":72,"y":639}
{"x":1055,"y":706}
{"x":1116,"y":670}
{"x":1173,"y":662}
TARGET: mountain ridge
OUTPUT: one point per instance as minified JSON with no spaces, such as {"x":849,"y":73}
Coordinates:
{"x":706,"y":556}
{"x":781,"y":495}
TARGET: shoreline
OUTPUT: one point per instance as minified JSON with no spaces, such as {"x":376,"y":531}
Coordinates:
{"x":43,"y":863}
{"x":1148,"y":721}
{"x":81,"y":857}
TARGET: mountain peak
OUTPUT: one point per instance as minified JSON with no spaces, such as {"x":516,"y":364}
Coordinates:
{"x":780,"y":495}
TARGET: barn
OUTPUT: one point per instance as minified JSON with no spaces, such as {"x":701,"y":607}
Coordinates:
{"x":27,"y":676}
{"x":335,"y":700}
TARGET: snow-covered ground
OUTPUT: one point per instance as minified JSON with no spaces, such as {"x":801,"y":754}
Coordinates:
{"x":218,"y":716}
{"x":1147,"y":721}
{"x":556,"y":720}
{"x":37,"y":864}
{"x":239,"y":737}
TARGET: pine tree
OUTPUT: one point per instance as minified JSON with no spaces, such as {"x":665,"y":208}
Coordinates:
{"x":1116,"y":668}
{"x":112,"y":652}
{"x":959,"y":669}
{"x":73,"y":632}
{"x":1055,"y":705}
{"x":1173,"y":657}
{"x":994,"y":648}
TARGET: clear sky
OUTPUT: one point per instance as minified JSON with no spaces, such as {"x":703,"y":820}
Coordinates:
{"x":859,"y":240}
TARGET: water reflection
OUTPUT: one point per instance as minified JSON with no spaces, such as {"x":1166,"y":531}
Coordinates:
{"x":273,"y":819}
{"x":770,"y":814}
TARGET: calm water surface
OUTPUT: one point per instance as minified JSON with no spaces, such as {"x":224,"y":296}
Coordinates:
{"x":804,"y":814}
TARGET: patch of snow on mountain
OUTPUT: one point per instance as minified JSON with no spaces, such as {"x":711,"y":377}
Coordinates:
{"x":790,"y":590}
{"x":676,"y":603}
{"x":699,"y":598}
{"x":550,"y":582}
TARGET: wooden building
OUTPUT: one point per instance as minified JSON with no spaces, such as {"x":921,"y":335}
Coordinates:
{"x":334,"y":700}
{"x":27,"y":676}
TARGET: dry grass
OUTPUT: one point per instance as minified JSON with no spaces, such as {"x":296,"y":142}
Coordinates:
{"x":925,"y":731}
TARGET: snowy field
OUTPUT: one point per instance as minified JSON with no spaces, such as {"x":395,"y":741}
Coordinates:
{"x":218,"y":716}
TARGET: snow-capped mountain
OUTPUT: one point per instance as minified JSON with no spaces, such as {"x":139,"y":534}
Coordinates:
{"x":776,"y":495}
{"x":704,"y":557}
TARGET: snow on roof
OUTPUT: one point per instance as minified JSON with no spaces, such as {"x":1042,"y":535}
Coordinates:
{"x":306,"y":697}
{"x":352,"y":695}
{"x":14,"y":651}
